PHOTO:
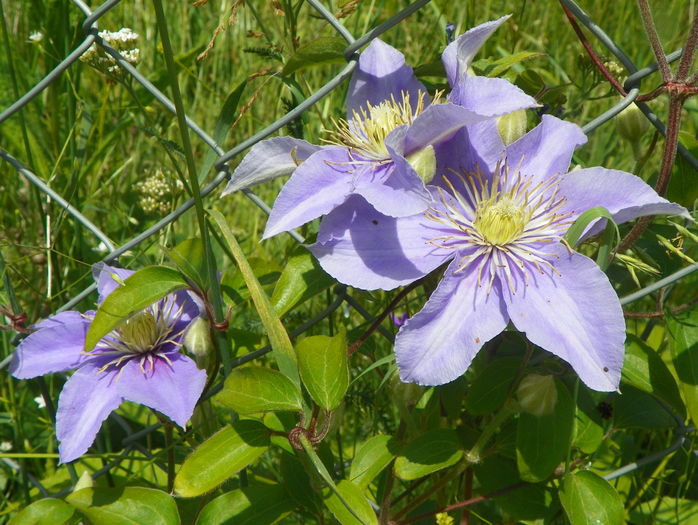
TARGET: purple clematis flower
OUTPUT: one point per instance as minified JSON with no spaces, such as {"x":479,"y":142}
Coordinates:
{"x":385,"y":150}
{"x":138,"y":361}
{"x":502,"y":228}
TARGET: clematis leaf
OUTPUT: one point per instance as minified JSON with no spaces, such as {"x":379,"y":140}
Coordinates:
{"x":323,"y":50}
{"x":125,"y":506}
{"x":581,"y":225}
{"x":371,"y":458}
{"x":352,"y":496}
{"x":589,"y":499}
{"x":542,"y":442}
{"x":665,"y":510}
{"x":253,"y":389}
{"x":490,"y":388}
{"x":47,"y":511}
{"x":140,"y":290}
{"x":324,"y":368}
{"x":252,"y":505}
{"x":280,"y":343}
{"x":432,"y":451}
{"x":301,"y":279}
{"x":220,"y":456}
{"x":683,"y":344}
{"x":189,"y":257}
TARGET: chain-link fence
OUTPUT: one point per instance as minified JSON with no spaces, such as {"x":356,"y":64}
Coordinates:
{"x":630,"y":89}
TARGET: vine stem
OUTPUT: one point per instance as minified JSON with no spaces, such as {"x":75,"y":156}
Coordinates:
{"x":651,"y":31}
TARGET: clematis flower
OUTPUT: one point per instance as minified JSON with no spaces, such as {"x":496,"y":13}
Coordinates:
{"x":502,"y":230}
{"x":139,"y":361}
{"x":385,"y":149}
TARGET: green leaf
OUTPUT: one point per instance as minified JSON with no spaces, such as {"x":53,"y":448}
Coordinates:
{"x":48,"y":511}
{"x":301,"y":279}
{"x":353,"y":496}
{"x":683,"y":344}
{"x":494,"y":68}
{"x":220,"y":456}
{"x":585,"y":219}
{"x":125,"y":506}
{"x":323,"y":50}
{"x":490,"y":387}
{"x":644,"y":369}
{"x":278,"y":338}
{"x":637,"y":409}
{"x":324,"y":368}
{"x":139,"y":290}
{"x":588,"y":434}
{"x":542,"y":442}
{"x":253,"y":389}
{"x":371,"y":458}
{"x":665,"y":511}
{"x":252,"y":505}
{"x":189,"y":257}
{"x":590,"y":500}
{"x":432,"y":451}
{"x":683,"y":188}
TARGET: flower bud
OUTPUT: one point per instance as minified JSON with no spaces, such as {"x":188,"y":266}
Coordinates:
{"x":537,"y":394}
{"x":423,"y":161}
{"x":631,"y":123}
{"x":512,"y":126}
{"x":85,"y":482}
{"x":198,"y":339}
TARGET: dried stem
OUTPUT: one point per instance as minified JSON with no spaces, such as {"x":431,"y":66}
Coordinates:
{"x":659,"y":313}
{"x":651,"y":31}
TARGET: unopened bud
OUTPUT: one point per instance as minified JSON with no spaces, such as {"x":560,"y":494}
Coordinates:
{"x":198,"y":338}
{"x":537,"y":394}
{"x":423,"y":161}
{"x":631,"y":123}
{"x":85,"y":482}
{"x":512,"y":126}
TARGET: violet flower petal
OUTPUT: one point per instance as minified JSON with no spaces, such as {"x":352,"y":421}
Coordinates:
{"x":316,"y":187}
{"x":625,"y":195}
{"x":86,"y":400}
{"x":437,"y":345}
{"x":459,"y":54}
{"x":56,"y":346}
{"x":575,"y":315}
{"x":475,"y":147}
{"x":380,"y":75}
{"x":269,"y":159}
{"x":546,"y":150}
{"x":363,"y":248}
{"x":104,"y":277}
{"x":490,"y":97}
{"x":171,"y":390}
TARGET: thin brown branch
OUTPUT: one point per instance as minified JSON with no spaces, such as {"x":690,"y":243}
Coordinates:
{"x":689,"y":51}
{"x":592,"y":54}
{"x":651,"y":31}
{"x":660,"y":313}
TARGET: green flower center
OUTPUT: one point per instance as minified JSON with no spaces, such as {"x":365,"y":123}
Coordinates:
{"x":140,"y":333}
{"x":500,"y":222}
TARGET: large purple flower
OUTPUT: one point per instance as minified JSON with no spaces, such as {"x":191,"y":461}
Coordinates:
{"x":385,"y":150}
{"x":139,"y":361}
{"x":502,"y":229}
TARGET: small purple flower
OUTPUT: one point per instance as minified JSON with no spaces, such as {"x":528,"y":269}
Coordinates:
{"x":139,"y":361}
{"x":385,"y":149}
{"x":502,"y":228}
{"x":398,"y":320}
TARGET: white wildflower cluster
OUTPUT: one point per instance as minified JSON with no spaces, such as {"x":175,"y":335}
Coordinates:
{"x":157,"y":192}
{"x":35,"y":37}
{"x":124,"y":41}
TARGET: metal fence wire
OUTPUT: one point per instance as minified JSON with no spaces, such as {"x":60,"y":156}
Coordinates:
{"x":223,"y":173}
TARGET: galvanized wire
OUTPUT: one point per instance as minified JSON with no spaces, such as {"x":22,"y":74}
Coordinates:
{"x":222,"y":170}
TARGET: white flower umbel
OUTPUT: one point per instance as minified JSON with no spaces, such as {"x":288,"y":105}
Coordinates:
{"x":124,"y":41}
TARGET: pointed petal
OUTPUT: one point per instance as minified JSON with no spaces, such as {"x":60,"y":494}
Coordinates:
{"x":438,"y":122}
{"x":365,"y":249}
{"x":623,"y":194}
{"x":104,"y":277}
{"x":490,"y":97}
{"x":382,"y":74}
{"x":436,"y":345}
{"x":576,"y":316}
{"x":56,"y":346}
{"x":268,"y":160}
{"x":171,"y":390}
{"x":459,"y":54}
{"x":86,"y":400}
{"x":476,"y":147}
{"x":547,"y":149}
{"x":318,"y":185}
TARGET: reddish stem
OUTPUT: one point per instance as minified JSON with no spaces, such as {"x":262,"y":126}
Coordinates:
{"x":653,"y":37}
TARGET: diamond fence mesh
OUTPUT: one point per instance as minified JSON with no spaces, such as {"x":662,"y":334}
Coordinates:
{"x":631,"y":90}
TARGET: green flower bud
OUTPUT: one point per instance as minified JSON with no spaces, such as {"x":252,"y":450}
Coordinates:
{"x":85,"y":482}
{"x":512,"y":126}
{"x":424,"y":163}
{"x":198,"y":339}
{"x":537,"y":394}
{"x":631,"y":123}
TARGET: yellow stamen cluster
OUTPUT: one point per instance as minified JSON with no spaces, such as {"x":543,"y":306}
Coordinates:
{"x":366,"y":131}
{"x":502,"y":221}
{"x":140,"y":333}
